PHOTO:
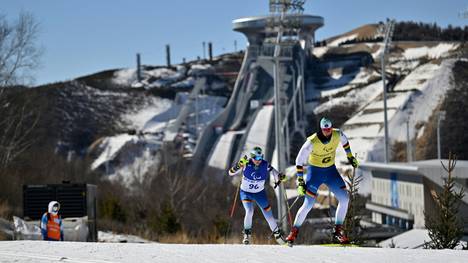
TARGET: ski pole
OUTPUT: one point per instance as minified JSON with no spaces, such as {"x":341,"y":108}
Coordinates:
{"x":286,"y":200}
{"x":287,"y":206}
{"x":233,"y":208}
{"x":276,"y":184}
{"x":291,"y":206}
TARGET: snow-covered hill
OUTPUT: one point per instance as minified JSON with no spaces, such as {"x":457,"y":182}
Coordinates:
{"x":369,"y":31}
{"x":120,"y":121}
{"x":38,"y":251}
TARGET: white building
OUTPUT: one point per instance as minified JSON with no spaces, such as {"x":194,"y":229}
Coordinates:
{"x":403,"y":192}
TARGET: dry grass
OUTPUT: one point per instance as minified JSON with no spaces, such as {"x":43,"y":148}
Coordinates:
{"x":363,"y":32}
{"x":5,"y":209}
{"x":178,"y":238}
{"x":4,"y":237}
{"x":399,"y":153}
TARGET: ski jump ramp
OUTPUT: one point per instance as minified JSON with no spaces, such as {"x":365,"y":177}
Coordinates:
{"x":247,"y":119}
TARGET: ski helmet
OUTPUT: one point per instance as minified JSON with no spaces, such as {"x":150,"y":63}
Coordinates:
{"x":53,"y":207}
{"x":256,"y":153}
{"x":325,"y":124}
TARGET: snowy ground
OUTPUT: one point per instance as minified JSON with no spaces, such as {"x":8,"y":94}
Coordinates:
{"x":40,"y":251}
{"x":111,"y":237}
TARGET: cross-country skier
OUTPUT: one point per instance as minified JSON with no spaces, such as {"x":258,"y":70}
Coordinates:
{"x":51,"y":223}
{"x":255,"y":171}
{"x":318,"y":152}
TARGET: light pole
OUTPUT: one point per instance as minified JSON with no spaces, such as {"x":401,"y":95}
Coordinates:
{"x":409,"y":151}
{"x":278,"y":115}
{"x":204,"y":49}
{"x":387,"y":42}
{"x":440,"y":118}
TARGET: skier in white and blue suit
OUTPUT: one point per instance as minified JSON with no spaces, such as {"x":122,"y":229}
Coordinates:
{"x":255,"y":171}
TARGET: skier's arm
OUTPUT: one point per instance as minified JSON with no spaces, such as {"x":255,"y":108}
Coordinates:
{"x":276,"y":175}
{"x":235,"y":170}
{"x":345,"y":143}
{"x":302,"y":157}
{"x":238,"y":167}
{"x":44,"y":226}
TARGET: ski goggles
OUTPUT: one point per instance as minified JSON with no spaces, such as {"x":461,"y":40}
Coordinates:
{"x":257,"y":157}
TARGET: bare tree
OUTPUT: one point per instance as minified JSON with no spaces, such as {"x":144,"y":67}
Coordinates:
{"x":19,"y":56}
{"x":17,"y":124}
{"x":182,"y":190}
{"x":19,"y":53}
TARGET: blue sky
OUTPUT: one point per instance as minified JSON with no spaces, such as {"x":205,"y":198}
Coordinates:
{"x":86,"y":36}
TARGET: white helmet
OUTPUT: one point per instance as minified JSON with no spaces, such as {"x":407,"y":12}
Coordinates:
{"x":54,"y":207}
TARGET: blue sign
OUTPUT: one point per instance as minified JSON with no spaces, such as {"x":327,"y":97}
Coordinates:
{"x":394,"y":189}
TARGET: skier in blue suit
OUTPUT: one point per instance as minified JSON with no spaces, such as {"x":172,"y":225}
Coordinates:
{"x":255,"y":171}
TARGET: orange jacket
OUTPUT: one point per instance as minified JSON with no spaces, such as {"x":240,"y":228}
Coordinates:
{"x":51,"y":225}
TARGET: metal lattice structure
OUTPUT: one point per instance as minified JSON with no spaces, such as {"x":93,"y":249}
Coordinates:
{"x":283,"y":25}
{"x":285,"y":17}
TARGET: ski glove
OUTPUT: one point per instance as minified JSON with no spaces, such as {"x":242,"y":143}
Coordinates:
{"x":243,"y":161}
{"x":353,"y":161}
{"x":301,"y":187}
{"x":282,"y":177}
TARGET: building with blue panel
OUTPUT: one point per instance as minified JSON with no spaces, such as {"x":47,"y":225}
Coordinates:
{"x":403,"y":192}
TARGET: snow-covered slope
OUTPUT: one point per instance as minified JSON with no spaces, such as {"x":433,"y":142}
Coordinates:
{"x":129,"y":157}
{"x":38,"y":251}
{"x":418,"y":73}
{"x":418,"y":95}
{"x":132,"y":151}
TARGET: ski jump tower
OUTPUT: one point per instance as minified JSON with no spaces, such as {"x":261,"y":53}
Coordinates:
{"x":269,"y":93}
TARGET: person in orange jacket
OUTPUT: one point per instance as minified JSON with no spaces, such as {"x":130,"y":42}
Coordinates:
{"x":51,"y":223}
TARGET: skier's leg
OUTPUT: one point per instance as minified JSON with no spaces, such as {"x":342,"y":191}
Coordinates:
{"x":247,"y":200}
{"x":314,"y":180}
{"x":304,"y":210}
{"x":249,"y":211}
{"x":337,"y":185}
{"x":262,"y":202}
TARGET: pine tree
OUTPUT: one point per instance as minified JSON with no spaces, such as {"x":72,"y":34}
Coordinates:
{"x":352,"y":224}
{"x":444,"y":226}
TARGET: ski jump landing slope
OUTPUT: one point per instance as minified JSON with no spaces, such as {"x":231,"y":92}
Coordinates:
{"x":42,"y":251}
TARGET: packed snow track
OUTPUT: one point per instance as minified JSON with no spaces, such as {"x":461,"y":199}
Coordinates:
{"x":41,"y":251}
